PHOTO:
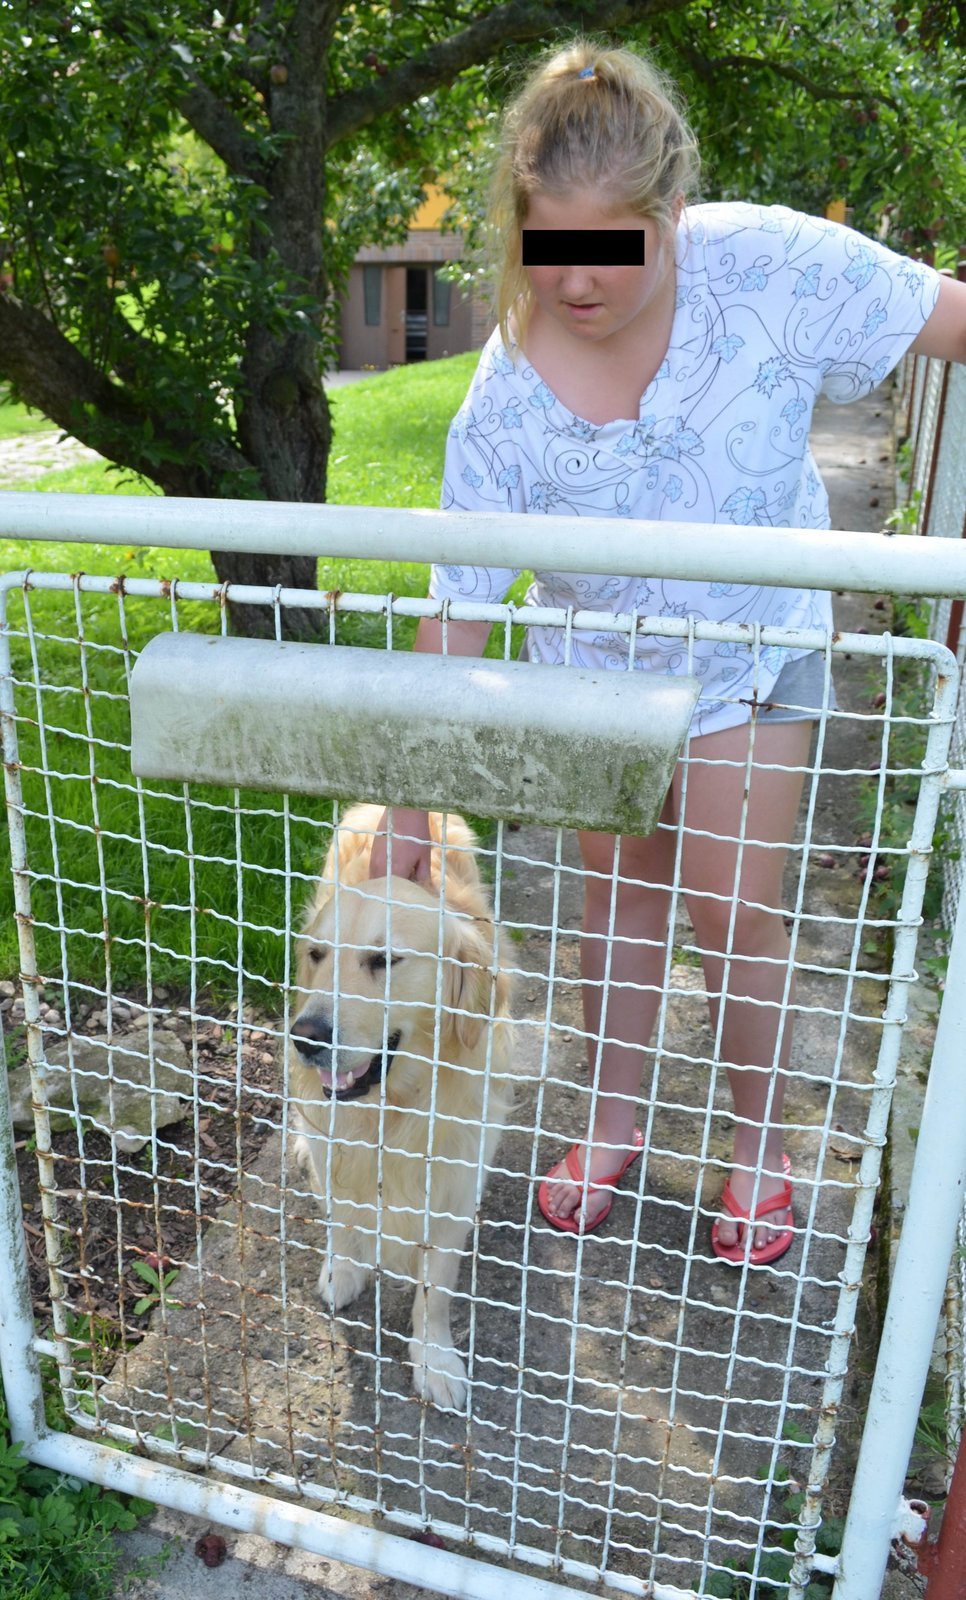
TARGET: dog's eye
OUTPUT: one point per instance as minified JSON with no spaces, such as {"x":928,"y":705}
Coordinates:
{"x":316,"y":954}
{"x":375,"y":961}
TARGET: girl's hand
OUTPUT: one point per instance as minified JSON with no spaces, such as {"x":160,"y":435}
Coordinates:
{"x":411,"y":845}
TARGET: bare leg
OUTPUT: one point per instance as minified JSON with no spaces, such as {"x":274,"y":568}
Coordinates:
{"x":736,"y":911}
{"x":637,"y":959}
{"x":732,"y":876}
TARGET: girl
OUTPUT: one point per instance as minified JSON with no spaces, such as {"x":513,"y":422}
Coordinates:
{"x":673,"y":382}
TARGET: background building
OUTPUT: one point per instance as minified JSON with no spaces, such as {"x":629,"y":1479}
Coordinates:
{"x":397,"y":308}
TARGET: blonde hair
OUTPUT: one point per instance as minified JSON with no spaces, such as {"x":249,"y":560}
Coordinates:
{"x":618,"y":130}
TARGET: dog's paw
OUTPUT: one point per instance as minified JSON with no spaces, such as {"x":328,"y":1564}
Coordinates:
{"x":439,"y":1375}
{"x":340,"y":1281}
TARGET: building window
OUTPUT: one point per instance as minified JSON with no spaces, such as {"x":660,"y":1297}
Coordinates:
{"x":441,"y":294}
{"x":372,"y":289}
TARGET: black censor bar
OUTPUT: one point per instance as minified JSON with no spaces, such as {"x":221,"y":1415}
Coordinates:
{"x":583,"y":247}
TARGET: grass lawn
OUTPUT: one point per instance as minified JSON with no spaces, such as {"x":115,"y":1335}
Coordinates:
{"x":16,"y":419}
{"x":389,"y":437}
{"x":125,"y":880}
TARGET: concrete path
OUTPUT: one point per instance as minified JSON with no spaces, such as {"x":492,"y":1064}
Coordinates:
{"x":853,"y":448}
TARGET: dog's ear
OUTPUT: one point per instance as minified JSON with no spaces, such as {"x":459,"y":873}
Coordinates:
{"x":347,"y":858}
{"x":475,"y":985}
{"x":461,"y":870}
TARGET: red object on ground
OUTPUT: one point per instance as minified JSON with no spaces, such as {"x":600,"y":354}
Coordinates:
{"x":211,"y":1549}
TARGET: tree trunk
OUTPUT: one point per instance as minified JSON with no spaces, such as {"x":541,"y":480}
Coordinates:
{"x":267,"y":571}
{"x":284,"y":421}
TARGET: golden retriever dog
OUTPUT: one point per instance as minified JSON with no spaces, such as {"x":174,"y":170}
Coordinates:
{"x":398,"y":1066}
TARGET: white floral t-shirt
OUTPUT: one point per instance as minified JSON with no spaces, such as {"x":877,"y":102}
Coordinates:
{"x":772,"y":308}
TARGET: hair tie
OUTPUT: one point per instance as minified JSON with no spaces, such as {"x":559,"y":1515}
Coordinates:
{"x":586,"y":72}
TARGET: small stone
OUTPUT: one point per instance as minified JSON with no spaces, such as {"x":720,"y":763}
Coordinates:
{"x":930,"y":1479}
{"x":162,"y":1082}
{"x":7,"y":989}
{"x":52,"y":1017}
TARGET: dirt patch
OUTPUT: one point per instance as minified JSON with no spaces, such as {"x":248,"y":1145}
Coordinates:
{"x":116,"y":1208}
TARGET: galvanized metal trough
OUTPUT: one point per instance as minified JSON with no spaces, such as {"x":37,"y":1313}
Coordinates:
{"x":529,"y":743}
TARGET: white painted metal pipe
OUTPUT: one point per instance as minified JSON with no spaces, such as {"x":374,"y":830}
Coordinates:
{"x":444,"y":1572}
{"x":919,"y":1280}
{"x":809,"y":558}
{"x":18,"y":1359}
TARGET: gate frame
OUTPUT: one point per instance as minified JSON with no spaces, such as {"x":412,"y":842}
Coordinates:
{"x":811,"y":558}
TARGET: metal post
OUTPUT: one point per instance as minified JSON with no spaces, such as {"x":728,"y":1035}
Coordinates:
{"x":19,"y":1368}
{"x":925,"y":1246}
{"x":945,"y":1561}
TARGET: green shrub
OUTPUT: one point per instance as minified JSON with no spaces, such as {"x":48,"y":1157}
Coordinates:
{"x":56,"y":1532}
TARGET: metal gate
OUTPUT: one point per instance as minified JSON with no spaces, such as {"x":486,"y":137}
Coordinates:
{"x":638,"y":1418}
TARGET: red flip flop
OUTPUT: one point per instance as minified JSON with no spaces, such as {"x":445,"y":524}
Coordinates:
{"x":761,"y":1255}
{"x":567,"y":1224}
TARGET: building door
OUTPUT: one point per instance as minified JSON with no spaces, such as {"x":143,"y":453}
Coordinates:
{"x":417,"y":310}
{"x":395,"y":316}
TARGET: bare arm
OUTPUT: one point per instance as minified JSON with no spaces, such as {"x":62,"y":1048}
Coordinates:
{"x":944,"y":334}
{"x":409,"y":828}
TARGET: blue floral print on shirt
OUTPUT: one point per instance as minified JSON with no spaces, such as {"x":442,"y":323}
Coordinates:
{"x":772,"y":308}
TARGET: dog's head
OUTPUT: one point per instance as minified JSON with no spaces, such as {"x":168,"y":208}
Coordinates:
{"x":375,"y":959}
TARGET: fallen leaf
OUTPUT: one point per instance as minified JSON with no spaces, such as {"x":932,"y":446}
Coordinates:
{"x":212,"y":1549}
{"x":847,"y":1146}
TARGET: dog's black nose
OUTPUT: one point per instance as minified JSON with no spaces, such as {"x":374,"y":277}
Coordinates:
{"x":311,"y":1035}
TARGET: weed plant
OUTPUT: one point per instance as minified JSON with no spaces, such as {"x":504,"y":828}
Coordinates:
{"x":768,"y":1574}
{"x":56,"y":1532}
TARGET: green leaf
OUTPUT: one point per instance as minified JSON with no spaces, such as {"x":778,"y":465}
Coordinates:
{"x":721,"y":1585}
{"x":148,"y":1273}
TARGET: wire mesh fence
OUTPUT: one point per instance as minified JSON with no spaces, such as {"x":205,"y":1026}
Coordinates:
{"x":625,"y":1409}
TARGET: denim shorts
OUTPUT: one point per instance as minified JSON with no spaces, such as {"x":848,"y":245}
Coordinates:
{"x":799,"y":691}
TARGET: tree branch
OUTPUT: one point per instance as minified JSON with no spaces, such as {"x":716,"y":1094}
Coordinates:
{"x":52,"y":375}
{"x":210,"y":118}
{"x":214,"y":124}
{"x":441,"y":63}
{"x":708,"y":67}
